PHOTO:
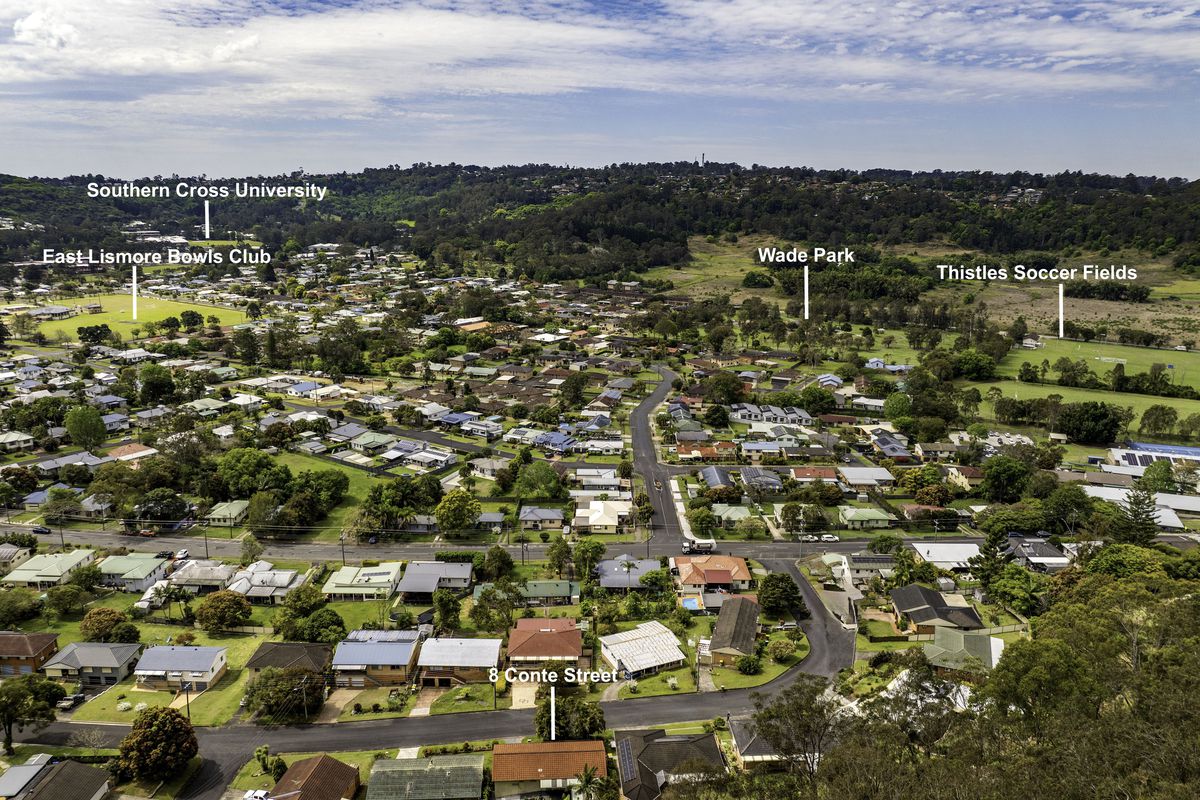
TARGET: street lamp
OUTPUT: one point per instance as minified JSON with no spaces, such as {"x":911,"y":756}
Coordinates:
{"x":187,"y":697}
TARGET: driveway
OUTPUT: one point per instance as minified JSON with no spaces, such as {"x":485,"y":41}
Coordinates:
{"x":338,"y":699}
{"x":524,"y":695}
{"x":424,"y":700}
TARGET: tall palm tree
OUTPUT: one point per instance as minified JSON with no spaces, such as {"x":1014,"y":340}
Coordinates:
{"x":628,"y":567}
{"x":589,"y":785}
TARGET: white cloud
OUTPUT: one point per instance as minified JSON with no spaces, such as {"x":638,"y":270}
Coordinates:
{"x":127,"y":66}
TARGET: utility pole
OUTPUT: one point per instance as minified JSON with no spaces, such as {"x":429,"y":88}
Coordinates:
{"x":342,"y":541}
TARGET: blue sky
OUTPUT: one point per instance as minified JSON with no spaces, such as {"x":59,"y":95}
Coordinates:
{"x":236,"y":87}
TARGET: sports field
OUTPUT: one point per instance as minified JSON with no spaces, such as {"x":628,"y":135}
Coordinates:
{"x":1100,"y":358}
{"x":118,"y":313}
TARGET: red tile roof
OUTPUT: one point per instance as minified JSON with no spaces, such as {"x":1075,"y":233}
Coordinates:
{"x":545,"y":642}
{"x":318,"y":778}
{"x":547,"y":760}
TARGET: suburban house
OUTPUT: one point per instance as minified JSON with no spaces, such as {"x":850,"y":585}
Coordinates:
{"x":734,"y":635}
{"x":536,"y":518}
{"x":202,"y":576}
{"x":288,"y":655}
{"x":229,"y":513}
{"x":749,"y":748}
{"x":363,"y":583}
{"x":25,"y":653}
{"x":49,"y":569}
{"x":457,"y":777}
{"x":319,"y":777}
{"x":648,"y":647}
{"x":12,"y":441}
{"x":174,"y":667}
{"x":866,"y":479}
{"x":423,"y":578}
{"x":856,"y":518}
{"x":964,"y":477}
{"x":624,"y":571}
{"x":488,"y":467}
{"x":12,"y":555}
{"x":39,"y":779}
{"x":134,"y":572}
{"x":545,"y":641}
{"x":262,"y":584}
{"x":957,"y":653}
{"x":598,"y":479}
{"x":542,"y":592}
{"x":93,"y":663}
{"x":535,"y":769}
{"x":950,"y":556}
{"x":376,"y":658}
{"x":603,"y":516}
{"x":648,"y":760}
{"x":448,"y":662}
{"x":712,"y":572}
{"x":928,"y":610}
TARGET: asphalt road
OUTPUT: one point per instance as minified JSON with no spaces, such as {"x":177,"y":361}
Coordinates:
{"x":226,"y":749}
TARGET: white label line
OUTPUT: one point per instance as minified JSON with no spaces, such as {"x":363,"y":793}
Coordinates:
{"x":207,"y":224}
{"x":806,"y":291}
{"x":1060,"y":311}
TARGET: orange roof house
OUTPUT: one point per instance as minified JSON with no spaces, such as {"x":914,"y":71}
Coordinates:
{"x":520,"y":769}
{"x":700,"y":572}
{"x":536,"y":639}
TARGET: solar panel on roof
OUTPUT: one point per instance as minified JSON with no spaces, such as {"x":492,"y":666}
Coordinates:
{"x":625,"y":760}
{"x":1146,"y":460}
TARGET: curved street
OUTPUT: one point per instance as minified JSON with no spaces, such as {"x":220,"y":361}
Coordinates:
{"x":227,"y":748}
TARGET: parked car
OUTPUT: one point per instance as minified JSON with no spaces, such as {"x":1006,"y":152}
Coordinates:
{"x":70,"y":701}
{"x":181,"y":555}
{"x":830,"y":537}
{"x":810,"y":537}
{"x":42,"y":529}
{"x":164,"y":554}
{"x":786,"y":626}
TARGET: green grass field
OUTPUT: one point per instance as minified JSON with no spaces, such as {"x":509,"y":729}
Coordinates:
{"x":118,"y":313}
{"x":1139,"y":402}
{"x":472,"y":697}
{"x":1101,"y":357}
{"x":719,"y":269}
{"x":360,"y":483}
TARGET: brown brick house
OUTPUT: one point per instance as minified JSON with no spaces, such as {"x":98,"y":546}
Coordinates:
{"x":25,"y":653}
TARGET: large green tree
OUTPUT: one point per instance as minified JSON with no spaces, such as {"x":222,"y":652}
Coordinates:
{"x":159,"y":745}
{"x":27,"y":701}
{"x":85,"y":427}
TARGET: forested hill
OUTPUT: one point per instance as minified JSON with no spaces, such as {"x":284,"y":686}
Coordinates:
{"x":560,"y":222}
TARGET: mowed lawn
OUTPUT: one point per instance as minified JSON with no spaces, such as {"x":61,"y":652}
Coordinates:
{"x":1102,"y":357}
{"x":213,"y":707}
{"x":1139,"y":402}
{"x":118,"y":313}
{"x":361,"y":482}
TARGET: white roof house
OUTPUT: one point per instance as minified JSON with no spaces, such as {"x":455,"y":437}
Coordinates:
{"x":460,"y":653}
{"x":946,"y":555}
{"x":362,"y":583}
{"x":866,"y":476}
{"x":1167,"y":504}
{"x":647,"y":648}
